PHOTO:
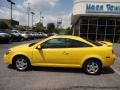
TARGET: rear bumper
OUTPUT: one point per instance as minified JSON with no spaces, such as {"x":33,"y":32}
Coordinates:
{"x":109,"y":61}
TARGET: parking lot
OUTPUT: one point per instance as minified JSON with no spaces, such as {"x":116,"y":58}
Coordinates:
{"x":40,"y":78}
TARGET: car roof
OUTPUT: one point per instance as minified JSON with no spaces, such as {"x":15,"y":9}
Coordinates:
{"x":69,"y":37}
{"x":64,"y":36}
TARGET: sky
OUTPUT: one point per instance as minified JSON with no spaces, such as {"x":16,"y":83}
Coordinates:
{"x":51,"y":10}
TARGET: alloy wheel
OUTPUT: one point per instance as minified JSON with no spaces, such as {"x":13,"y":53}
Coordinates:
{"x":92,"y":67}
{"x":21,"y":64}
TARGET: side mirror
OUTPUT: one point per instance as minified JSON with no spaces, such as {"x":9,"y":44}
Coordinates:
{"x":39,"y":47}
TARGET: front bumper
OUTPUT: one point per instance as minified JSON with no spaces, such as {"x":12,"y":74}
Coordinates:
{"x":7,"y":59}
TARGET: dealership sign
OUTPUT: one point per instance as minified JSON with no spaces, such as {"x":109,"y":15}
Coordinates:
{"x":102,"y":8}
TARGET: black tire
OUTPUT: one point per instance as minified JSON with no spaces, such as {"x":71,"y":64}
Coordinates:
{"x":92,"y":67}
{"x":21,"y":63}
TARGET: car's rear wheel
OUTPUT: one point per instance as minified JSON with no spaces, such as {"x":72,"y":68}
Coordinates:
{"x":21,"y":63}
{"x":92,"y":67}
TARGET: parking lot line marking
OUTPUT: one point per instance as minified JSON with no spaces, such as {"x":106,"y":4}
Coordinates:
{"x":118,"y":72}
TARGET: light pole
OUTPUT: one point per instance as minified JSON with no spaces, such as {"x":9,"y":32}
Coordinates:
{"x":12,"y":3}
{"x":28,"y":14}
{"x":32,"y":17}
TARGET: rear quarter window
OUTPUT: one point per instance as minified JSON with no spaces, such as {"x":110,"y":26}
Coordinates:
{"x":95,"y":43}
{"x":75,"y":43}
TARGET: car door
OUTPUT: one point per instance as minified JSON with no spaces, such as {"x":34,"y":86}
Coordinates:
{"x":79,"y":51}
{"x":53,"y":51}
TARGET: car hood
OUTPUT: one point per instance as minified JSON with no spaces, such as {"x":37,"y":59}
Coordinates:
{"x":22,"y":47}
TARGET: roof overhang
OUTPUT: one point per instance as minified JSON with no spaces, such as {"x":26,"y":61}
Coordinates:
{"x":75,"y":18}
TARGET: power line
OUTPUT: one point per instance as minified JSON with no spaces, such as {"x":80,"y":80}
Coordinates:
{"x":13,"y":9}
{"x":4,"y":6}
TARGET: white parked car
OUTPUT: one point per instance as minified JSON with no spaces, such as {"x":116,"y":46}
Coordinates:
{"x":16,"y":35}
{"x":25,"y":35}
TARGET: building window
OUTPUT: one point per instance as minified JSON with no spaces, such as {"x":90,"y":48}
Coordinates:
{"x":84,"y":21}
{"x":101,"y":21}
{"x":111,"y":22}
{"x":84,"y":28}
{"x":93,"y":21}
{"x":92,"y":29}
{"x":110,"y":29}
{"x":99,"y":28}
{"x":117,"y":22}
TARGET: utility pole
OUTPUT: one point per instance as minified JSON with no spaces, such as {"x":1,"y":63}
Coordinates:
{"x":12,"y":3}
{"x":32,"y":17}
{"x":28,"y":8}
{"x":40,"y":17}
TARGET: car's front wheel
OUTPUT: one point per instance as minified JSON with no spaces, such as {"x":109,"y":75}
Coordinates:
{"x":21,"y":63}
{"x":92,"y":67}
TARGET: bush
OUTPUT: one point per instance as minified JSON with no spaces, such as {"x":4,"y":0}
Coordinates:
{"x":3,"y":25}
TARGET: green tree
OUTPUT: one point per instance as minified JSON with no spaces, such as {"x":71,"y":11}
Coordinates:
{"x":62,"y":31}
{"x":3,"y":25}
{"x":39,"y":27}
{"x":20,"y":28}
{"x":57,"y":30}
{"x":50,"y":27}
{"x":69,"y":31}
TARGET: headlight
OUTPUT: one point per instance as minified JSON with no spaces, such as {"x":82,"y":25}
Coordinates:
{"x":8,"y":52}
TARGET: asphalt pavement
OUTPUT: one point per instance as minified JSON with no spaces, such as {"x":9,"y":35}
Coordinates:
{"x":40,"y":78}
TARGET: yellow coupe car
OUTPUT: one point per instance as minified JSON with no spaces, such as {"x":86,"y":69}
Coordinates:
{"x":62,"y":51}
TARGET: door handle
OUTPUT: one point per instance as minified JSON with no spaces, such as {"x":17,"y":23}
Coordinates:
{"x":65,"y":53}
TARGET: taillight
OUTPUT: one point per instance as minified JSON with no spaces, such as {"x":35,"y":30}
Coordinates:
{"x":112,"y":52}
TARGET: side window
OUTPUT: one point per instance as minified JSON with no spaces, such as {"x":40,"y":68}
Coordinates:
{"x":55,"y":43}
{"x":75,"y":43}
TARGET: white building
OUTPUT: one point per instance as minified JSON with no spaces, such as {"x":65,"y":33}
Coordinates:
{"x":97,"y":19}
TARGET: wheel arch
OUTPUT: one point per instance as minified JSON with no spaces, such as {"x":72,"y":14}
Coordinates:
{"x":92,"y":58}
{"x":19,"y":55}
